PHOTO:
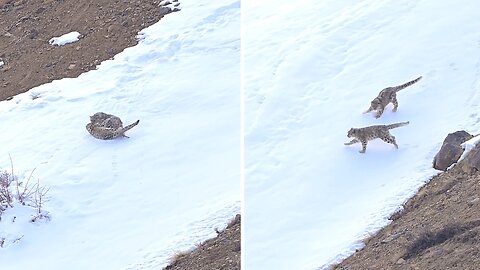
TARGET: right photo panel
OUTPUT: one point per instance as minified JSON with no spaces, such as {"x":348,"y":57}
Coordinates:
{"x":348,"y":105}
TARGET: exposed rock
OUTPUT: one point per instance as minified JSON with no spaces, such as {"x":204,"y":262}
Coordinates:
{"x":33,"y":34}
{"x":390,"y":238}
{"x":471,"y":162}
{"x":451,"y":150}
{"x":474,"y":201}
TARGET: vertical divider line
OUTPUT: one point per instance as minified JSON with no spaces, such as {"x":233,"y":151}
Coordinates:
{"x":242,"y":135}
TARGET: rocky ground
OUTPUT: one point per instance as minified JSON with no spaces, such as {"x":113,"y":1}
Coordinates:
{"x":220,"y":253}
{"x":439,"y":228}
{"x":107,"y":27}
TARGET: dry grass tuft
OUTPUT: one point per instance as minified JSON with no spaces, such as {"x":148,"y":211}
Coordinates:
{"x":178,"y":256}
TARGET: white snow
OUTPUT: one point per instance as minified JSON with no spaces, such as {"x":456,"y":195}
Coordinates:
{"x":65,"y":39}
{"x":170,"y":4}
{"x":132,"y":203}
{"x":468,"y":146}
{"x":310,"y":72}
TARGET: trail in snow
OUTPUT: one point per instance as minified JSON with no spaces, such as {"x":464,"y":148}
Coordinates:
{"x":310,"y":72}
{"x":132,"y":203}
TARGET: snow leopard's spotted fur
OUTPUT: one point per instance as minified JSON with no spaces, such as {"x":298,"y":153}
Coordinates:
{"x":386,"y":96}
{"x":363,"y":135}
{"x":102,"y":119}
{"x":106,"y":126}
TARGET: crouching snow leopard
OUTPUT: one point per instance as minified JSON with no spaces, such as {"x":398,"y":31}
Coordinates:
{"x":386,"y":96}
{"x":106,"y":126}
{"x":363,"y":135}
{"x":106,"y":120}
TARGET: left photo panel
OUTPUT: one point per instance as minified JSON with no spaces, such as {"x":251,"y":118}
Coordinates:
{"x":124,"y":135}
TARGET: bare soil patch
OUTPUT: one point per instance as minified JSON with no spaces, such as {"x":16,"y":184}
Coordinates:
{"x":220,"y":253}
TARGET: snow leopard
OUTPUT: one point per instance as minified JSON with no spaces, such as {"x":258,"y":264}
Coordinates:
{"x":106,"y":120}
{"x":108,"y":133}
{"x":386,"y":96}
{"x":365,"y":134}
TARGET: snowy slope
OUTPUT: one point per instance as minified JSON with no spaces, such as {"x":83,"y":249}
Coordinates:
{"x":310,"y":72}
{"x":131,"y":203}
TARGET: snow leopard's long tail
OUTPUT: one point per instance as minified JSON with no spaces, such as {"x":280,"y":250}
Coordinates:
{"x":405,"y":85}
{"x":396,"y":125}
{"x":121,"y":132}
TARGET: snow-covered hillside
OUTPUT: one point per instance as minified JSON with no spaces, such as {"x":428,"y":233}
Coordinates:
{"x":132,"y":203}
{"x":310,"y":72}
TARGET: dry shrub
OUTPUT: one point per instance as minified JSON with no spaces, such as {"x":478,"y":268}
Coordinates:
{"x":429,"y":238}
{"x":26,"y":193}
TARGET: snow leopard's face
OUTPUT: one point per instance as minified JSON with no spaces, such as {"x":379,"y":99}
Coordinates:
{"x":375,"y":104}
{"x":351,"y":133}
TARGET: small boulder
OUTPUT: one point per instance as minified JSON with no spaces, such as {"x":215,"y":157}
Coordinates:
{"x":451,"y":150}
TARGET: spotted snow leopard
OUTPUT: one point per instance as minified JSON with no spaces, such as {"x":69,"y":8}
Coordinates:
{"x":365,"y":134}
{"x":386,"y":96}
{"x":106,"y":126}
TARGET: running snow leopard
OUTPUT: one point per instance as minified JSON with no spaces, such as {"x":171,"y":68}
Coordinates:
{"x":365,"y":134}
{"x":386,"y":96}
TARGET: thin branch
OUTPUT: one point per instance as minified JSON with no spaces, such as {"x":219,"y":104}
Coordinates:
{"x":27,"y":190}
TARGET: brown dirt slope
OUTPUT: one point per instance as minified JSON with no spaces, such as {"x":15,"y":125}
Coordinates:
{"x":26,"y":26}
{"x":439,"y":228}
{"x":220,"y":253}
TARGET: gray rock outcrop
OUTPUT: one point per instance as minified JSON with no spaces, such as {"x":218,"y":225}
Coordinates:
{"x":451,"y":150}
